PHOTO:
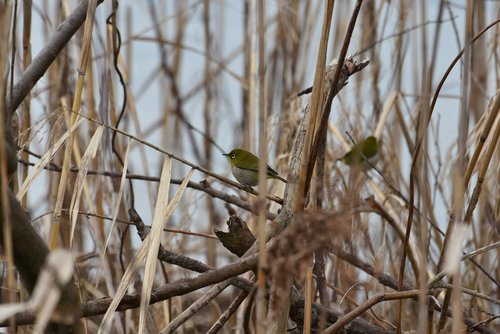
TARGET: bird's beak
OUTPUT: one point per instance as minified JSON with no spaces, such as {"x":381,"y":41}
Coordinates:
{"x":225,"y":154}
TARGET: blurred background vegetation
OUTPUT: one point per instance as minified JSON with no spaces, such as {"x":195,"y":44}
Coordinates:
{"x":183,"y":78}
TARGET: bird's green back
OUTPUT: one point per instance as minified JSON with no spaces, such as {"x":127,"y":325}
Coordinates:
{"x":244,"y":159}
{"x":368,"y":148}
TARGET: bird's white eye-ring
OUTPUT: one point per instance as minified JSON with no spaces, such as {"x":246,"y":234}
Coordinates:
{"x":233,"y":156}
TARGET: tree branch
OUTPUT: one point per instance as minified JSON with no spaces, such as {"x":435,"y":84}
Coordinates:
{"x":47,"y":55}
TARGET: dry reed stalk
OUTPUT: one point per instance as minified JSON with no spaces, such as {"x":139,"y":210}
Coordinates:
{"x":76,"y":106}
{"x":308,"y":300}
{"x":157,"y":225}
{"x":316,"y":103}
{"x":26,"y":118}
{"x":82,"y":174}
{"x":278,"y":318}
{"x":490,"y":117}
{"x":209,"y":117}
{"x":262,"y":182}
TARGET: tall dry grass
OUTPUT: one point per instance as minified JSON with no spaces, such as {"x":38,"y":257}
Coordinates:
{"x":127,"y":125}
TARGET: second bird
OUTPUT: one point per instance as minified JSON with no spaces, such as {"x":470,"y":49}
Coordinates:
{"x":366,"y":149}
{"x":245,"y":167}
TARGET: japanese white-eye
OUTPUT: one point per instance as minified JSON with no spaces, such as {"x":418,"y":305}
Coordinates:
{"x":366,"y":149}
{"x":245,"y":167}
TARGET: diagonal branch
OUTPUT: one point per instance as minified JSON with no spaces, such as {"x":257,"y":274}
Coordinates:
{"x":47,"y":55}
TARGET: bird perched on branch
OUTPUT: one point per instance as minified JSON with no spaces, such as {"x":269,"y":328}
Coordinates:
{"x":358,"y":155}
{"x":245,"y":167}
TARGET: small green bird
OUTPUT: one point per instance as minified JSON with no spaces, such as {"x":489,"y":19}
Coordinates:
{"x":245,"y":167}
{"x":368,"y":148}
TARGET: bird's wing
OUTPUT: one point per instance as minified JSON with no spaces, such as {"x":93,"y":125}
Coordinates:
{"x":254,"y":166}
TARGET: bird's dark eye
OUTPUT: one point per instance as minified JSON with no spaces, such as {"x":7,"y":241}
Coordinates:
{"x":233,"y":156}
